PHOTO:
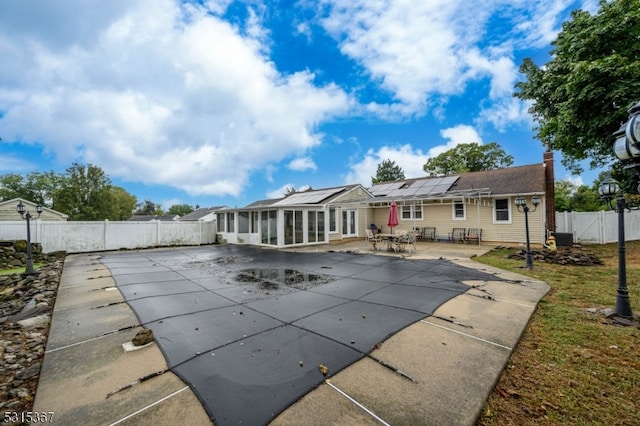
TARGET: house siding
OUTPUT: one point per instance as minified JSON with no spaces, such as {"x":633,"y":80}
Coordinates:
{"x":439,"y":214}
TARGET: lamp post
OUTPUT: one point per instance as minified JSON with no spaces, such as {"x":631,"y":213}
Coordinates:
{"x":608,"y":190}
{"x":25,"y":214}
{"x":521,"y":204}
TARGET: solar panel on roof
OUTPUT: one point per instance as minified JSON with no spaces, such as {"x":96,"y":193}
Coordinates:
{"x":385,"y":188}
{"x":311,"y":197}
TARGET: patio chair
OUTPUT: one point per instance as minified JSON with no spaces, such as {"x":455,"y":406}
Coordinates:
{"x":457,"y":234}
{"x":372,"y":239}
{"x":402,"y":240}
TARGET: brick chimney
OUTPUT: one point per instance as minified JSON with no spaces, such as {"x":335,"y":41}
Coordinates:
{"x":550,"y":193}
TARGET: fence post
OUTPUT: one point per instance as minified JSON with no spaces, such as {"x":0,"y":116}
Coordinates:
{"x":104,"y":234}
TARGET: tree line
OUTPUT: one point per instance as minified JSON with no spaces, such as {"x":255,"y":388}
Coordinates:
{"x":83,"y":192}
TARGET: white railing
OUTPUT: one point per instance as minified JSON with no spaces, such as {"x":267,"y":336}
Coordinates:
{"x":78,"y":237}
{"x":598,"y":227}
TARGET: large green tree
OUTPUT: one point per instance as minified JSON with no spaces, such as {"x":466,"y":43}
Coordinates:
{"x":39,"y":187}
{"x":12,"y":185}
{"x":149,"y":208}
{"x":180,"y":209}
{"x":82,"y":192}
{"x":388,"y":171}
{"x":85,"y":193}
{"x":468,"y":157}
{"x":123,"y":204}
{"x":581,"y":97}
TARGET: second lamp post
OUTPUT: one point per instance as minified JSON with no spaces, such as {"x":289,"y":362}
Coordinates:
{"x":521,"y":204}
{"x":24,"y":213}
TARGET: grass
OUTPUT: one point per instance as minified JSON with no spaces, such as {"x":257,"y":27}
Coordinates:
{"x":19,"y":270}
{"x":572,"y":366}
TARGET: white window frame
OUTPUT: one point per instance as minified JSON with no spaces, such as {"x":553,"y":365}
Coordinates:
{"x":333,"y":221}
{"x":509,"y":211}
{"x":415,"y":210}
{"x":464,"y":210}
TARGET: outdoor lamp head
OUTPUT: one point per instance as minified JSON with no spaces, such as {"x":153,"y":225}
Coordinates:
{"x":39,"y":209}
{"x":535,"y":200}
{"x":520,"y":201}
{"x":608,"y":188}
{"x":627,"y":137}
{"x":21,"y":208}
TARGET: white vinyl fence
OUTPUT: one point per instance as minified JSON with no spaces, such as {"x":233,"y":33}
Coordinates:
{"x":78,"y":237}
{"x":598,"y":227}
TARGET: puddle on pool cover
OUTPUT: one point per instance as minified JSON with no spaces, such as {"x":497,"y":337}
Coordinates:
{"x":273,"y":278}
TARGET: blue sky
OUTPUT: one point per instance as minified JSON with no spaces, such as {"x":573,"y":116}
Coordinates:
{"x":227,"y":102}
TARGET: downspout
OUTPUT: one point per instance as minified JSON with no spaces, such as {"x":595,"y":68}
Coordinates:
{"x":549,"y":192}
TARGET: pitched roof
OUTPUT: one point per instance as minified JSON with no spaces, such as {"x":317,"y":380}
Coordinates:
{"x":200,"y":213}
{"x":309,"y":197}
{"x":148,"y":217}
{"x":313,"y":196}
{"x":512,"y":180}
{"x":264,"y":203}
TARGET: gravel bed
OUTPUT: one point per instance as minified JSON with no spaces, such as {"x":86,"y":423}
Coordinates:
{"x":26,"y":304}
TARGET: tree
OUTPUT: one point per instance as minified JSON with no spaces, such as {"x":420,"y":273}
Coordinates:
{"x":148,"y":208}
{"x":12,"y":186}
{"x":180,"y":209}
{"x":123,"y":204}
{"x":388,"y":171}
{"x":42,"y":187}
{"x":578,"y":198}
{"x":290,"y":190}
{"x":582,"y":95}
{"x":564,"y":190}
{"x":468,"y":157}
{"x":85,"y":193}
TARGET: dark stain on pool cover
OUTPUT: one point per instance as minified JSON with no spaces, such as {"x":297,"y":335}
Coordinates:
{"x":273,"y":278}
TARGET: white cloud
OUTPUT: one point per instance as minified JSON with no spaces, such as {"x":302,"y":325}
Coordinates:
{"x":424,"y":51}
{"x":158,"y":93}
{"x":456,"y":135}
{"x":280,"y":192}
{"x":302,"y":164}
{"x":410,"y":161}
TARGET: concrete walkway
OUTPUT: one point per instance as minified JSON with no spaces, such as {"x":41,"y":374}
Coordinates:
{"x":439,"y":370}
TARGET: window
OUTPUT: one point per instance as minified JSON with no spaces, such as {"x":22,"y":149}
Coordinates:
{"x":293,"y":232}
{"x":406,"y":212}
{"x":255,"y":219}
{"x":320,"y":226}
{"x":243,"y":222}
{"x":411,"y":212}
{"x":332,"y":220}
{"x":220,"y":218}
{"x":459,"y":212}
{"x":269,"y":227}
{"x":231,"y":222}
{"x":502,"y":211}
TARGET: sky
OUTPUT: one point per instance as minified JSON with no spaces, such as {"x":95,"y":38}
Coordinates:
{"x":223,"y":102}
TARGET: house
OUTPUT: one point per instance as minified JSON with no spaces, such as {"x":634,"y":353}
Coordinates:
{"x":9,"y":211}
{"x":150,"y":217}
{"x":301,"y":218}
{"x":201,"y":214}
{"x":477,"y":200}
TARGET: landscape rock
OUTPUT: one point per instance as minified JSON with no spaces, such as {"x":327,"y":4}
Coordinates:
{"x":25,"y":305}
{"x":143,"y":337}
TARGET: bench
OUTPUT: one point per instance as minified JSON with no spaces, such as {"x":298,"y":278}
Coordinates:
{"x":425,"y":233}
{"x":473,"y":235}
{"x":457,"y":235}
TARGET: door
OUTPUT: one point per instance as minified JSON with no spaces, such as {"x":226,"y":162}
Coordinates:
{"x":349,"y":221}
